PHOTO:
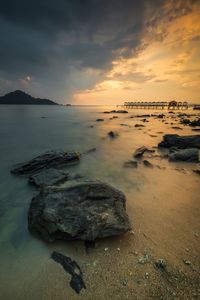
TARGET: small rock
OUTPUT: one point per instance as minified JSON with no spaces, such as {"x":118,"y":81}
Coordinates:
{"x":187,"y":262}
{"x":147,"y":164}
{"x":131,"y":164}
{"x":140,"y":151}
{"x":99,"y":120}
{"x":197,"y":171}
{"x":112,"y":134}
{"x":124,"y":281}
{"x":143,"y":259}
{"x":161,"y":264}
{"x":139,"y":125}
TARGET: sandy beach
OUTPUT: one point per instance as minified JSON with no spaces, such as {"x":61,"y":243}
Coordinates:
{"x":162,"y":204}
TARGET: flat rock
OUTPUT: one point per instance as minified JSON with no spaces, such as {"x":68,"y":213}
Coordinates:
{"x":139,"y":125}
{"x":84,"y":210}
{"x":182,"y":142}
{"x":70,"y":266}
{"x":189,"y":155}
{"x":46,"y":161}
{"x":48,"y":177}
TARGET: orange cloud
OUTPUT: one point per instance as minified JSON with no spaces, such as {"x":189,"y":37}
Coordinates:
{"x":164,"y":66}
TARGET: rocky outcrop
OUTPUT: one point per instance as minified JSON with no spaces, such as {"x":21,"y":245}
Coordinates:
{"x":84,"y":210}
{"x":187,"y":155}
{"x":48,"y":160}
{"x":181,"y":142}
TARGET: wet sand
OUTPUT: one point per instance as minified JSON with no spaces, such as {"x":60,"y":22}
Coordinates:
{"x":163,"y":206}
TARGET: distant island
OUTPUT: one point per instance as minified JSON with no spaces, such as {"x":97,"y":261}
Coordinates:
{"x":20,"y":97}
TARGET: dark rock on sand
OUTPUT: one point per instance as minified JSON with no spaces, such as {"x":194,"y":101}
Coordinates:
{"x":182,"y":142}
{"x":99,"y":120}
{"x":139,"y":125}
{"x":147,"y":164}
{"x":161,"y":116}
{"x":193,"y":123}
{"x":131,"y":164}
{"x":195,"y":129}
{"x":84,"y":210}
{"x":197,"y":171}
{"x":140,"y":151}
{"x":123,"y":124}
{"x":188,"y":155}
{"x":177,"y":128}
{"x":71,"y":267}
{"x":48,"y":177}
{"x":46,"y":161}
{"x":121,"y":111}
{"x":161,"y":264}
{"x":112,"y":134}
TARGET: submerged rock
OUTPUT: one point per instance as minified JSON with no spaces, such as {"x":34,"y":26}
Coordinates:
{"x":46,"y":161}
{"x":193,"y":123}
{"x":48,"y":177}
{"x":182,"y":142}
{"x":197,"y":171}
{"x":177,"y":128}
{"x":84,"y":210}
{"x":139,"y":125}
{"x":147,"y":164}
{"x":121,"y":111}
{"x":188,"y":155}
{"x":71,"y":267}
{"x":140,"y":151}
{"x":131,"y":164}
{"x":112,"y":134}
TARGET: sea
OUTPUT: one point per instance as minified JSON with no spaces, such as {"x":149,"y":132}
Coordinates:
{"x":161,"y":201}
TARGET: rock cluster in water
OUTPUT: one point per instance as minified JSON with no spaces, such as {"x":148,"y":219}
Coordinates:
{"x":181,"y":142}
{"x":77,"y":209}
{"x":182,"y":148}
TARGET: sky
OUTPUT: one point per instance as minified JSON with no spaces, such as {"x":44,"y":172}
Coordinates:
{"x":101,"y":51}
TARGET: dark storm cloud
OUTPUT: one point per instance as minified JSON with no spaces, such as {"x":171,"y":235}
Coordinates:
{"x":52,"y":40}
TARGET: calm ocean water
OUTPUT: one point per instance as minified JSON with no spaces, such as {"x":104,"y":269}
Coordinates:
{"x":27,"y":131}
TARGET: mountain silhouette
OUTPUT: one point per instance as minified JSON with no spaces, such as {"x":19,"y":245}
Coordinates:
{"x":20,"y":97}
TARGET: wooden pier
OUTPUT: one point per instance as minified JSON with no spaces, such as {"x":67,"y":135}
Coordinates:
{"x":157,"y":105}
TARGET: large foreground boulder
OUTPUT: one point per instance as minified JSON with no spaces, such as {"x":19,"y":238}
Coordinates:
{"x":181,"y":142}
{"x":46,"y":161}
{"x":82,"y":210}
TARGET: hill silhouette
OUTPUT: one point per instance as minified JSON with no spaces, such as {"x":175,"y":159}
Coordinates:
{"x":20,"y":97}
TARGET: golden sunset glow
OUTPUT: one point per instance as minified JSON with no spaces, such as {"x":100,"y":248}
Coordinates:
{"x":165,"y":66}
